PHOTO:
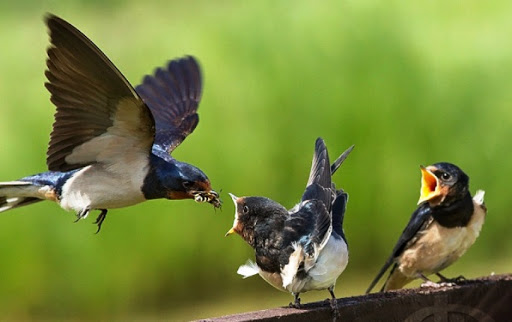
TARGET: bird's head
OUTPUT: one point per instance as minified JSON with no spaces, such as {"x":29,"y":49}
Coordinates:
{"x":249,"y":212}
{"x":441,"y":183}
{"x":191,"y":183}
{"x":179,"y":180}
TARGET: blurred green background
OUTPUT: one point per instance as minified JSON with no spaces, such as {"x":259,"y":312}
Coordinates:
{"x":408,"y":83}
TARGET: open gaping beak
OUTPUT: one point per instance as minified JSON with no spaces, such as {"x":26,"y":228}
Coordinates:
{"x":235,"y":222}
{"x":430,"y":186}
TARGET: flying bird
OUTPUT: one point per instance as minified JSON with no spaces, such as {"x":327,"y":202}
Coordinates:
{"x":110,"y":145}
{"x":304,"y":248}
{"x":445,"y":224}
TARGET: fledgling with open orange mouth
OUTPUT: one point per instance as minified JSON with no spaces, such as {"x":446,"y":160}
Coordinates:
{"x":445,"y":224}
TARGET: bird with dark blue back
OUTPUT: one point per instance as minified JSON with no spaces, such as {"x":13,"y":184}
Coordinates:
{"x":110,"y":145}
{"x":300,"y":249}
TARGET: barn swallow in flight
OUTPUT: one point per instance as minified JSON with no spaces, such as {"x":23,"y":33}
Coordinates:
{"x":110,"y":145}
{"x":443,"y":227}
{"x":304,"y":248}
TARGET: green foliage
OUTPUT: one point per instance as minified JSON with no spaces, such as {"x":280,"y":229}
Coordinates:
{"x":408,"y":83}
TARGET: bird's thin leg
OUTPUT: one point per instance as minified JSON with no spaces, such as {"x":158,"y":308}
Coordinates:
{"x":457,"y":279}
{"x":296,"y":304}
{"x":101,"y":217}
{"x":442,"y":277}
{"x":427,"y":281}
{"x":334,"y":304}
{"x":331,"y":290}
{"x":82,"y":213}
{"x":424,"y":278}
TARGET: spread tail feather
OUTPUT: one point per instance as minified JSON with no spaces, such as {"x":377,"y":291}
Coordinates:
{"x":336,"y":164}
{"x":14,"y":194}
{"x":381,"y":272}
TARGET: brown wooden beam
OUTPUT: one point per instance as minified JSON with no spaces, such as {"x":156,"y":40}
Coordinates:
{"x":483,"y":299}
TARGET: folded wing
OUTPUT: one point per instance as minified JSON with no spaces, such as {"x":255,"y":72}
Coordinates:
{"x":307,"y":232}
{"x":418,"y":221}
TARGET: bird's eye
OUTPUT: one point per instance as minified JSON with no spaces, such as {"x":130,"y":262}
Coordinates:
{"x":187,"y":184}
{"x":245,"y":209}
{"x":445,"y":176}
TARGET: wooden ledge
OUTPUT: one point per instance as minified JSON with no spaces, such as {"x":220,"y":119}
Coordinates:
{"x":484,"y":299}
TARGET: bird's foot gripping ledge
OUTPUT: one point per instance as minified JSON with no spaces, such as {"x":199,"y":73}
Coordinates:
{"x":431,"y":284}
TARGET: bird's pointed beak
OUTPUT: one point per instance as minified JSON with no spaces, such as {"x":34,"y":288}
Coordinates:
{"x":235,"y":198}
{"x":231,"y":231}
{"x":430,"y":186}
{"x":235,"y":223}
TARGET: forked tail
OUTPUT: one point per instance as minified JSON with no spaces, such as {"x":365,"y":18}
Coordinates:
{"x":14,"y":194}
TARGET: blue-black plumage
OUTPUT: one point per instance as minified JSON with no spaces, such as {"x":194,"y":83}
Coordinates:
{"x":303,"y":248}
{"x":111,"y":144}
{"x":55,"y":179}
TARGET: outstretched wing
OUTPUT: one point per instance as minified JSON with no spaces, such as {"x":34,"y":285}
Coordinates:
{"x":419,"y":220}
{"x":99,"y":115}
{"x":319,"y":182}
{"x":173,"y":96}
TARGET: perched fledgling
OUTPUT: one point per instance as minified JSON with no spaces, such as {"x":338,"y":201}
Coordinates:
{"x":304,"y":248}
{"x":443,"y":227}
{"x":110,"y":145}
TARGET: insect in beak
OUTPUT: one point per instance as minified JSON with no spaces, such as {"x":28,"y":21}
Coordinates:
{"x":211,"y":197}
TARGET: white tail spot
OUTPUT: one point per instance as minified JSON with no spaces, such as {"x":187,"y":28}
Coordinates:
{"x":248,"y":269}
{"x":479,"y":197}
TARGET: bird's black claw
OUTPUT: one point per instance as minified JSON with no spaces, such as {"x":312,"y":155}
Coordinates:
{"x":99,"y":220}
{"x":459,"y":279}
{"x":82,"y":214}
{"x":454,"y":280}
{"x":296,"y":303}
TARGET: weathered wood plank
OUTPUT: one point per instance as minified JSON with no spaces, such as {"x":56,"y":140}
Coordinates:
{"x":484,"y":299}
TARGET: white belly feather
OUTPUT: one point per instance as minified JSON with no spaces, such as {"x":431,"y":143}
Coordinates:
{"x":101,"y":186}
{"x":439,"y":247}
{"x":331,"y":262}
